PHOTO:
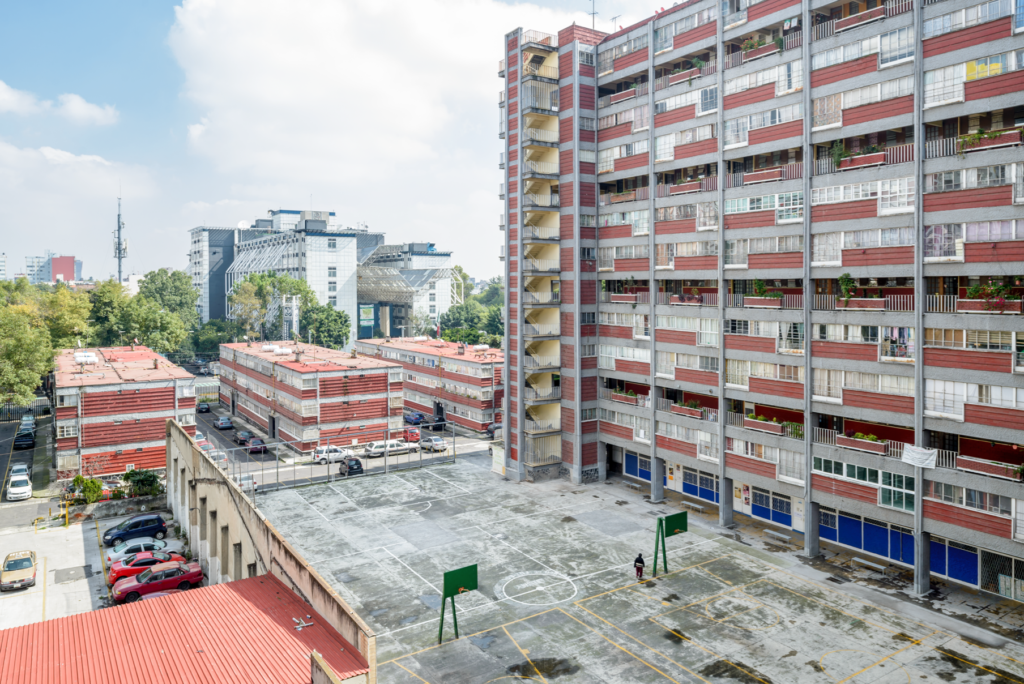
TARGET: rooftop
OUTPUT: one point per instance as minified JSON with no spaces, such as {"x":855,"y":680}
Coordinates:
{"x":315,"y":359}
{"x":114,"y":366}
{"x":237,"y":632}
{"x":440,"y":348}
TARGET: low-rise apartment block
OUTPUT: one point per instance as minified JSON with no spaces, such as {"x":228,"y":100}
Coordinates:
{"x":309,"y":396}
{"x":775,"y":246}
{"x":446,"y":380}
{"x":111,"y":409}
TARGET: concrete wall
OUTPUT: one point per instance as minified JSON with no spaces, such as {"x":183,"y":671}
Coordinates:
{"x":232,"y":538}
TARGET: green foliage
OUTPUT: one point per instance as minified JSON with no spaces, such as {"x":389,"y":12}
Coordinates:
{"x":143,"y":482}
{"x":88,"y":488}
{"x":848,"y":286}
{"x":493,"y":322}
{"x":459,"y":274}
{"x":994,"y":294}
{"x":467,"y":315}
{"x":66,"y":315}
{"x":692,"y":404}
{"x":207,"y":339}
{"x":839,"y":152}
{"x":173,"y":291}
{"x":464,"y":335}
{"x":760,"y":289}
{"x":796,"y":430}
{"x":250,"y":301}
{"x":107,"y":299}
{"x":330,"y":327}
{"x":155,"y":327}
{"x":493,"y":294}
{"x":25,"y":355}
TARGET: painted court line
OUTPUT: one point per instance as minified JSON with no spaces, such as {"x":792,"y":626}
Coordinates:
{"x":412,"y":571}
{"x":448,"y":481}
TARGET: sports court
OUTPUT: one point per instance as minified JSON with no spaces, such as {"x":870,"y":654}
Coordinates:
{"x":557,"y":600}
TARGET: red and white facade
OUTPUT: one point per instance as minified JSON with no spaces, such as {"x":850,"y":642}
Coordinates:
{"x":459,"y":383}
{"x":112,"y":406}
{"x":311,"y":396}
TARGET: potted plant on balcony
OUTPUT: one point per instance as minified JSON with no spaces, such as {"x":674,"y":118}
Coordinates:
{"x":978,"y":140}
{"x":780,"y":43}
{"x":990,"y":297}
{"x":690,"y":408}
{"x":627,"y":397}
{"x":796,"y":430}
{"x":839,"y":153}
{"x":754,"y":422}
{"x":763,"y":298}
{"x":752,"y":44}
{"x":861,"y":442}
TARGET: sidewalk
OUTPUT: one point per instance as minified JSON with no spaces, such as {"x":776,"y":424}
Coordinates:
{"x":980,"y":609}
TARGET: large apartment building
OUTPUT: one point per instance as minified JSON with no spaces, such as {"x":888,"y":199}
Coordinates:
{"x":112,"y":406}
{"x":757,"y":250}
{"x":310,"y":396}
{"x":446,"y":380}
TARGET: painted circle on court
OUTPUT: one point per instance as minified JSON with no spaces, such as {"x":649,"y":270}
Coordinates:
{"x":536,"y":588}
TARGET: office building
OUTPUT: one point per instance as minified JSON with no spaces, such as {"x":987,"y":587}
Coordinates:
{"x":310,"y":396}
{"x":446,"y":380}
{"x":397,"y":281}
{"x":758,"y":251}
{"x":4,"y":271}
{"x":112,"y":405}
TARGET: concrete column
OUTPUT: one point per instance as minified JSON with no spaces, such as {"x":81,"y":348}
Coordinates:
{"x":812,"y":545}
{"x":725,"y":501}
{"x":657,"y":480}
{"x":602,"y":461}
{"x":922,"y":559}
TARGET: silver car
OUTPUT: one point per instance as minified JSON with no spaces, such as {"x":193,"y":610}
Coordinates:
{"x":133,"y":546}
{"x":331,"y":454}
{"x":433,"y":444}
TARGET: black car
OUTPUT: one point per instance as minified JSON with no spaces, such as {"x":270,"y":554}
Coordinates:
{"x":493,"y":429}
{"x":145,"y":525}
{"x":439,"y":424}
{"x":202,"y":408}
{"x":25,"y":439}
{"x":242,"y":436}
{"x":350,"y":466}
{"x":254,"y":445}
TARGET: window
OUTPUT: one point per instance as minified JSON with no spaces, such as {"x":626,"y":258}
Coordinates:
{"x":332,"y":272}
{"x":588,"y":156}
{"x":332,"y":286}
{"x":587,"y":124}
{"x":896,"y":491}
{"x":588,"y":253}
{"x":896,"y":195}
{"x":944,"y":241}
{"x":943,"y":337}
{"x":587,"y":57}
{"x":676,"y":213}
{"x":844,"y":193}
{"x":588,"y":414}
{"x":588,"y":350}
{"x":944,"y":85}
{"x":187,"y":419}
{"x":433,"y":309}
{"x":990,"y":339}
{"x":332,"y":243}
{"x":989,"y":231}
{"x":944,"y":396}
{"x":332,"y":301}
{"x":67,"y":431}
{"x":896,"y":45}
{"x":986,"y":66}
{"x":68,"y":399}
{"x":588,"y":318}
{"x":432,"y":297}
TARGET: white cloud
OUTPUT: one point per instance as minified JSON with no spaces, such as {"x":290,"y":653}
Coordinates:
{"x":75,"y":109}
{"x":385,"y":112}
{"x":72,"y":107}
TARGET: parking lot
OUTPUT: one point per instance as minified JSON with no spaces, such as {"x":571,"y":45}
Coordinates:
{"x":70,"y":576}
{"x":557,"y":599}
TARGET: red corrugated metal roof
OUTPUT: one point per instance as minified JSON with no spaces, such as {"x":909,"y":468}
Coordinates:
{"x":233,"y":633}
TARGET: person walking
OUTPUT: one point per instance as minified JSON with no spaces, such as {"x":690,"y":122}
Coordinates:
{"x":639,"y":565}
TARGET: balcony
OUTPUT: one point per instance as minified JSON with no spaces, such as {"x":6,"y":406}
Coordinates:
{"x":501,"y":67}
{"x":966,"y":144}
{"x":837,"y":18}
{"x":875,"y":157}
{"x":630,"y":92}
{"x":757,"y":46}
{"x":535,"y":362}
{"x":688,"y":409}
{"x":542,"y":329}
{"x":501,"y":252}
{"x":540,"y":168}
{"x":623,"y":396}
{"x":501,"y":190}
{"x":542,"y":298}
{"x":541,"y":232}
{"x":688,"y":299}
{"x":541,"y":426}
{"x":540,"y":135}
{"x":899,"y":303}
{"x":633,"y":195}
{"x":544,"y":40}
{"x":541,"y":201}
{"x":542,"y":451}
{"x":533,"y":394}
{"x":531,"y":265}
{"x":777,"y":173}
{"x":540,"y":71}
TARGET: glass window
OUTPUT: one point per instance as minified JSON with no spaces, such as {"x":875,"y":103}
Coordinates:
{"x":896,"y":45}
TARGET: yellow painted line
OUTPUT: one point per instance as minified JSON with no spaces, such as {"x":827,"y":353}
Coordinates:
{"x":619,"y":646}
{"x":19,"y":595}
{"x":720,"y":579}
{"x":103,"y":558}
{"x":662,"y":576}
{"x":44,"y":588}
{"x":516,"y":644}
{"x":911,"y":645}
{"x":410,"y":672}
{"x":997,"y":674}
{"x":852,"y":615}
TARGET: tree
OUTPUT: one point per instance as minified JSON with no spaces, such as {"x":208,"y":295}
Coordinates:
{"x":142,"y":482}
{"x":107,"y":299}
{"x":65,"y":314}
{"x":173,"y":291}
{"x":493,"y":321}
{"x":251,"y":300}
{"x":459,"y":275}
{"x":464,"y":335}
{"x":25,"y":355}
{"x":154,"y":327}
{"x":493,"y":294}
{"x":468,"y":315}
{"x":215,"y":332}
{"x":330,"y":327}
{"x":419,"y":323}
{"x":88,"y":488}
{"x":246,"y":308}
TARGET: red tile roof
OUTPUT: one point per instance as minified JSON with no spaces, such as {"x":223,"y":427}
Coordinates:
{"x":232,"y":633}
{"x":115,"y":366}
{"x":315,"y":359}
{"x":434,"y":347}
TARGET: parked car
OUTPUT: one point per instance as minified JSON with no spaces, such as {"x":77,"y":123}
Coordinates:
{"x":25,"y":439}
{"x":493,"y":429}
{"x":330,"y":454}
{"x":19,"y":488}
{"x":205,"y":446}
{"x":133,"y":565}
{"x":159,"y":594}
{"x":199,"y":436}
{"x":19,"y":469}
{"x":19,"y":570}
{"x":439,"y":424}
{"x":393,"y":447}
{"x":414,"y":418}
{"x":246,"y":482}
{"x":432,"y":443}
{"x":202,"y":407}
{"x":28,"y":420}
{"x":255,"y":445}
{"x":145,"y":525}
{"x":174,"y":575}
{"x":219,"y":457}
{"x":242,"y":436}
{"x":411,"y":434}
{"x":130,"y":548}
{"x":350,"y":466}
{"x":223,"y":423}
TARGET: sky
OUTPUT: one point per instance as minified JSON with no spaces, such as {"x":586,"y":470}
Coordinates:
{"x":212,"y":112}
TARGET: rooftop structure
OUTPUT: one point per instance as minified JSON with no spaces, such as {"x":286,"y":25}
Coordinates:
{"x":446,"y":380}
{"x":112,"y":405}
{"x":400,"y":280}
{"x":759,"y":252}
{"x":242,"y":632}
{"x":306,"y":394}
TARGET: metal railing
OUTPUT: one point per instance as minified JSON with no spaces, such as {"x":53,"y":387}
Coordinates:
{"x":896,"y":352}
{"x":734,"y":419}
{"x":541,"y":297}
{"x":538,"y":37}
{"x":943,"y":147}
{"x":735,"y":18}
{"x":793,"y":40}
{"x":735,"y":59}
{"x":899,"y":154}
{"x":895,"y":7}
{"x":542,"y":425}
{"x":708,"y":184}
{"x":536,"y":455}
{"x":792,"y":171}
{"x":501,"y":97}
{"x":541,"y":167}
{"x":542,"y":71}
{"x":541,"y":329}
{"x":899,"y":302}
{"x":823,"y":436}
{"x":549,"y":393}
{"x":894,"y":449}
{"x":541,"y":200}
{"x":540,"y":135}
{"x":501,"y":190}
{"x":531,"y":264}
{"x":940,"y":303}
{"x":823,"y":30}
{"x":501,"y":65}
{"x":946,"y":459}
{"x":547,"y":361}
{"x":824,"y":302}
{"x":790,"y":346}
{"x":541,"y":232}
{"x":793,"y":301}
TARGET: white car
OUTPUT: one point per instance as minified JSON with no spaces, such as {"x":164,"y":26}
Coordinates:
{"x":28,"y":421}
{"x":219,"y":457}
{"x":133,"y":546}
{"x":432,"y":443}
{"x":331,"y":454}
{"x":19,"y":469}
{"x":392,"y":447}
{"x":19,"y":489}
{"x":199,"y":436}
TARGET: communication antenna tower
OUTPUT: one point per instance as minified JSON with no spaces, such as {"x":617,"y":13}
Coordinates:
{"x":120,"y":244}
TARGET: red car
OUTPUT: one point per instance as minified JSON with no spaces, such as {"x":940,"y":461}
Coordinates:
{"x":255,"y":444}
{"x":411,"y":434}
{"x":175,"y":575}
{"x":133,"y":565}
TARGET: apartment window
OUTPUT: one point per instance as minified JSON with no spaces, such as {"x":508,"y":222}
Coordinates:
{"x":985,"y":67}
{"x":944,"y":85}
{"x":332,"y":301}
{"x":943,"y":337}
{"x":332,"y":286}
{"x":990,"y":339}
{"x":588,"y":414}
{"x":588,"y":318}
{"x":332,"y":243}
{"x":944,"y":396}
{"x":67,"y":400}
{"x":588,"y":350}
{"x":896,"y":194}
{"x":433,"y":309}
{"x":587,"y":124}
{"x":67,"y":431}
{"x":433,"y":297}
{"x":586,"y":58}
{"x":187,"y":419}
{"x":332,"y":272}
{"x":896,"y":45}
{"x":588,"y":253}
{"x":896,"y":491}
{"x":990,"y":231}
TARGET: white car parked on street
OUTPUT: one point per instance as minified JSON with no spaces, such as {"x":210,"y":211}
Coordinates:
{"x":331,"y":454}
{"x":134,"y":546}
{"x":19,"y":489}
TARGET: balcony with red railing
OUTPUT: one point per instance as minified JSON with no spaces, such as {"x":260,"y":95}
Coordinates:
{"x":763,"y":417}
{"x":873,"y":150}
{"x":702,"y":178}
{"x":684,"y":403}
{"x":840,"y":17}
{"x":692,"y":69}
{"x":625,"y":292}
{"x":630,"y":88}
{"x":764,"y":168}
{"x":865,"y":294}
{"x":992,"y":132}
{"x":687,"y":292}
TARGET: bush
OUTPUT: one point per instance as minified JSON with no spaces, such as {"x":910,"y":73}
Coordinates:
{"x":692,"y":404}
{"x":142,"y":482}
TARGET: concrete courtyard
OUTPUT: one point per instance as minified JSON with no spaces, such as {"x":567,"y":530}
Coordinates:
{"x":557,"y":598}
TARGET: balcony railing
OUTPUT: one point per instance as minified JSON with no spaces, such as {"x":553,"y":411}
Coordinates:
{"x":547,"y":361}
{"x":501,"y":190}
{"x":778,"y":173}
{"x":899,"y":302}
{"x":899,"y":154}
{"x":542,"y":425}
{"x":541,"y":232}
{"x":545,"y":265}
{"x":540,"y":135}
{"x":823,"y":436}
{"x":940,"y":303}
{"x":634,"y":195}
{"x":896,"y":352}
{"x":501,"y":65}
{"x":542,"y":451}
{"x":542,"y":329}
{"x":532,"y":36}
{"x":540,"y":200}
{"x":542,"y":71}
{"x":541,"y":297}
{"x":546,"y":394}
{"x":823,"y":30}
{"x":735,"y":19}
{"x":541,"y":167}
{"x":625,"y":297}
{"x":822,"y":389}
{"x":700,"y":299}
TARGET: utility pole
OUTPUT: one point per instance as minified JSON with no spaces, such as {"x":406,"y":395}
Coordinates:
{"x":593,"y":15}
{"x":120,"y":244}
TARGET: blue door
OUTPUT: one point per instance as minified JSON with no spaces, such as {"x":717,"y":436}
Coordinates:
{"x":963,"y":564}
{"x":937,"y":561}
{"x":690,"y":482}
{"x":644,"y":472}
{"x":761,"y":504}
{"x":876,"y":539}
{"x":708,"y":487}
{"x":827,"y":524}
{"x":850,"y":531}
{"x":901,"y":546}
{"x":631,"y":464}
{"x":781,"y":512}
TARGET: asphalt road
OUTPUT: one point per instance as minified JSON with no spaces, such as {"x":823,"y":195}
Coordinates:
{"x":9,"y":457}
